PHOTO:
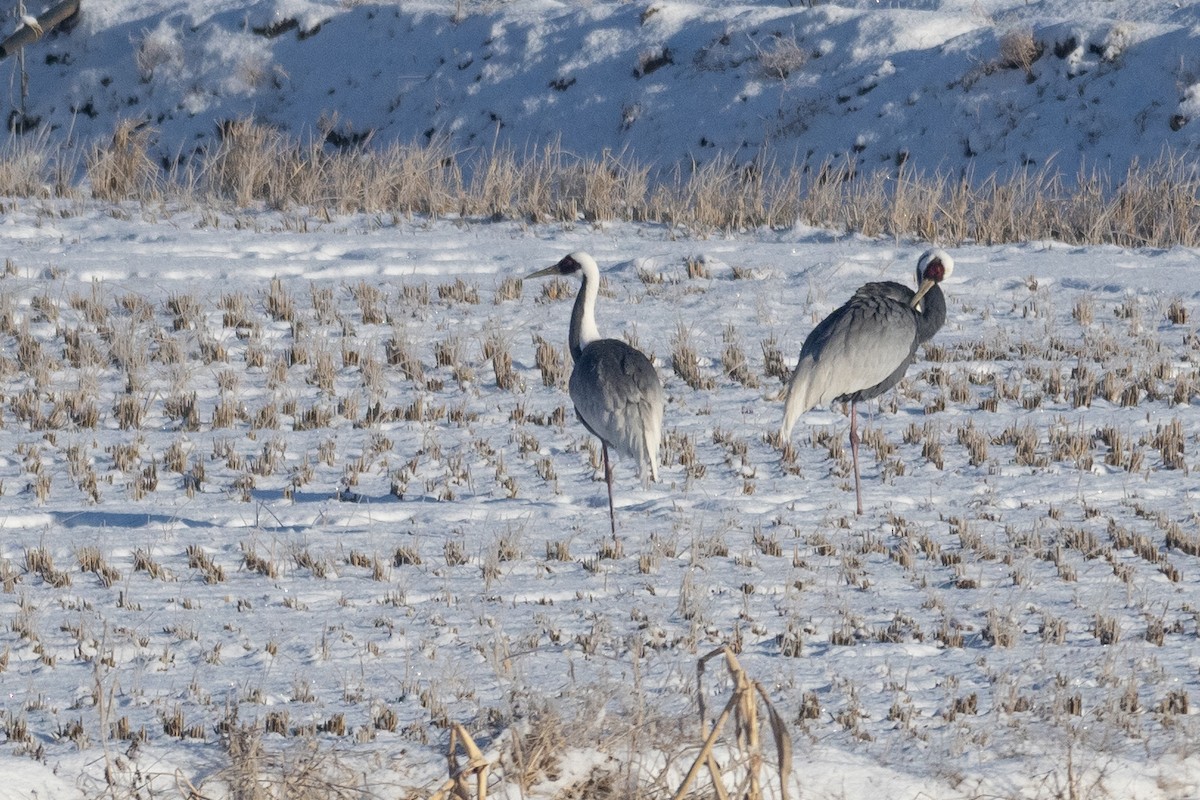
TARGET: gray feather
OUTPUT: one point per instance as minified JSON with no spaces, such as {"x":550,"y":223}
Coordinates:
{"x":863,"y":348}
{"x":619,"y":398}
{"x":864,"y":342}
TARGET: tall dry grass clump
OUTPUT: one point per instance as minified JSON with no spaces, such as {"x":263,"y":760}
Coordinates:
{"x":405,"y":179}
{"x":124,"y":169}
{"x":26,"y":166}
{"x":255,"y":163}
{"x":554,"y":185}
{"x":724,"y":195}
{"x":1151,"y":206}
{"x":1155,"y":205}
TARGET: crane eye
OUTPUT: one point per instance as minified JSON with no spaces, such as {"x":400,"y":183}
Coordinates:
{"x":935,"y":270}
{"x":568,"y":265}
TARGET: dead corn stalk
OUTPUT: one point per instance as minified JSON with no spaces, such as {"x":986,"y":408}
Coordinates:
{"x":457,"y":786}
{"x":743,"y":707}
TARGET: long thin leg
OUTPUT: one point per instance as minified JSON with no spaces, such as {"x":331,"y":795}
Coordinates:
{"x":854,"y":453}
{"x":612,"y":516}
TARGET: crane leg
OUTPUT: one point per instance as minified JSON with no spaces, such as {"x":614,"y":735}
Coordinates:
{"x":612,"y":517}
{"x":854,"y":454}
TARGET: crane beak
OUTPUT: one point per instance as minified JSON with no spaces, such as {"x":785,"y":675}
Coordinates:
{"x":922,"y":290}
{"x":542,"y":273}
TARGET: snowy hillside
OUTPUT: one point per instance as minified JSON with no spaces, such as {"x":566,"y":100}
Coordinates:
{"x":949,"y":85}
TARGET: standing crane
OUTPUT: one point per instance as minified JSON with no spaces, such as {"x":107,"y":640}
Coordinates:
{"x":864,"y":348}
{"x":617,"y":393}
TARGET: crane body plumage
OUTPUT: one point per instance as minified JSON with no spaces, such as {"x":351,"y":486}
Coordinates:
{"x":616,"y":391}
{"x":627,"y":415}
{"x":864,"y":348}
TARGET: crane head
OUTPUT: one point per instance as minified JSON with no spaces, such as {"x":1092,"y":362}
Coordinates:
{"x":572,"y":264}
{"x":934,"y":267}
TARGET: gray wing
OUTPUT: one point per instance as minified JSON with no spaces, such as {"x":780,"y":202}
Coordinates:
{"x":858,"y":352}
{"x":866,"y":342}
{"x":885,"y":290}
{"x":619,"y":398}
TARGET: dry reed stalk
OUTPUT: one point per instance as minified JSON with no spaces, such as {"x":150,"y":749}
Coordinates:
{"x":743,"y":707}
{"x":456,"y":785}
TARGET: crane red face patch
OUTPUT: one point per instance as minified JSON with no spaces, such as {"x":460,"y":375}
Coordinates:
{"x":935,"y":270}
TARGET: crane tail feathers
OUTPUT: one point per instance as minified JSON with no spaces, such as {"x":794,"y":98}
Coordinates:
{"x":651,"y":435}
{"x":797,"y":400}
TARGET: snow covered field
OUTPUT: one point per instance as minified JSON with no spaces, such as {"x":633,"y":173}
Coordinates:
{"x":348,"y":554}
{"x":282,"y":497}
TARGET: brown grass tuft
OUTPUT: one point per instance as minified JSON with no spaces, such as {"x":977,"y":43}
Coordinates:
{"x":686,"y":363}
{"x":123,"y":169}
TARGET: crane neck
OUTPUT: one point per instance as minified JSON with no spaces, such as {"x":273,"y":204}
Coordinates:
{"x":932,"y":315}
{"x":583,"y":316}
